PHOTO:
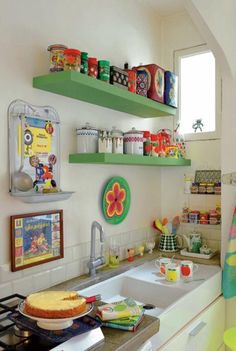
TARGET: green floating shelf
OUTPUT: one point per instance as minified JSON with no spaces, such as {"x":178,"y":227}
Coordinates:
{"x":82,"y":87}
{"x":131,"y":160}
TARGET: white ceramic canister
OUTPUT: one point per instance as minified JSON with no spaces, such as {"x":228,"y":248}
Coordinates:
{"x":117,"y":141}
{"x":87,"y":139}
{"x":133,"y":142}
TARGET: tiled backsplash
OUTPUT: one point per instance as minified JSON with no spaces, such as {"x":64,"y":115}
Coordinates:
{"x":72,"y":265}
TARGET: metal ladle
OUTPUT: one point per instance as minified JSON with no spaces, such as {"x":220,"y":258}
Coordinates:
{"x":21,"y":180}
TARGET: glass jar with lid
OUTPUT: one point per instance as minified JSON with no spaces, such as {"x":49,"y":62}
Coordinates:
{"x":56,"y":57}
{"x":117,"y":141}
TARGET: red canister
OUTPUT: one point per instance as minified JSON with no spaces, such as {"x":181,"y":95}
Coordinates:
{"x":92,"y":67}
{"x":204,"y":218}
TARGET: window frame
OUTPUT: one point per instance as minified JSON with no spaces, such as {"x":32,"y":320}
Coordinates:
{"x":178,"y":54}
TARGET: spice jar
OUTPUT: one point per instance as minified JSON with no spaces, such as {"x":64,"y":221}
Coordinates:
{"x":217,"y":188}
{"x":92,"y":67}
{"x":147,"y":145}
{"x":213,"y":217}
{"x":154,"y":142}
{"x":56,"y":57}
{"x":117,"y":141}
{"x":210,"y":188}
{"x":185,"y":214}
{"x":193,"y":216}
{"x":203,"y":217}
{"x":104,"y":142}
{"x":72,"y":60}
{"x":84,"y":63}
{"x":194,"y":188}
{"x":104,"y":70}
{"x":202,"y":188}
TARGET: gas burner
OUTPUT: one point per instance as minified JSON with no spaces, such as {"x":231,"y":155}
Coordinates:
{"x":23,"y":333}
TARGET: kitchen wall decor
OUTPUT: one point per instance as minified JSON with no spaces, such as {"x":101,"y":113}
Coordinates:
{"x":34,"y":153}
{"x":116,"y":200}
{"x":36,"y":238}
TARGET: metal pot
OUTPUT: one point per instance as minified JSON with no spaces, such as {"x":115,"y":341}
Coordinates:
{"x":133,"y":142}
{"x":87,"y":139}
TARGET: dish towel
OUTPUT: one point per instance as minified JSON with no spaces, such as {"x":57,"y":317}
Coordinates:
{"x":229,"y":271}
{"x":121,"y":309}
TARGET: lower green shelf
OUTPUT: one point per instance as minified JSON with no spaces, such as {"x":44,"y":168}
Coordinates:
{"x":131,"y":160}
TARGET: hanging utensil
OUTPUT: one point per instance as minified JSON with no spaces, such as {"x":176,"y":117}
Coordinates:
{"x":21,"y":180}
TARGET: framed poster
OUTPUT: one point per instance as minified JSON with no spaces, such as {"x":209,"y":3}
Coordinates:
{"x":36,"y":238}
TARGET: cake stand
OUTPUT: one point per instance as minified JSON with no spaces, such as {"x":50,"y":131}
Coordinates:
{"x":53,"y":323}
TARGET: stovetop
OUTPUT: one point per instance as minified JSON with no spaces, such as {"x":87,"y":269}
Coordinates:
{"x":14,"y":338}
{"x":22,"y":334}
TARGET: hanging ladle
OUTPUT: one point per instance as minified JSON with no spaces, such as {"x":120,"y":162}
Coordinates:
{"x":21,"y":180}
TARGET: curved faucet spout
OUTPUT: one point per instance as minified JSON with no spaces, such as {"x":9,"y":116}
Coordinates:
{"x":95,"y":262}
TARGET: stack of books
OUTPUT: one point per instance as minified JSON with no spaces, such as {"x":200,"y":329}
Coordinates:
{"x":125,"y":314}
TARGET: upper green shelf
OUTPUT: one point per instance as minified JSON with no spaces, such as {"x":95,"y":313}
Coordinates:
{"x":82,"y":87}
{"x":131,"y":160}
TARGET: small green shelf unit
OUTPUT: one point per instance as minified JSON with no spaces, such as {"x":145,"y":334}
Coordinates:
{"x":132,"y":160}
{"x":82,"y":87}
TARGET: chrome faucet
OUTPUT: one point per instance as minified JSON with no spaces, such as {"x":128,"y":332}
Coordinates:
{"x":96,"y":261}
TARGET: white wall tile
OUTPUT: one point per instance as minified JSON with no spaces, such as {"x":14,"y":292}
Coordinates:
{"x":58,"y":275}
{"x":23,"y":286}
{"x":6,"y":289}
{"x":41,"y":280}
{"x":7,"y":275}
{"x":73,"y":269}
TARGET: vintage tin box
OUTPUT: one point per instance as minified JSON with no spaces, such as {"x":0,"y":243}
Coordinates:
{"x":171,"y":89}
{"x":119,"y":77}
{"x":155,"y":81}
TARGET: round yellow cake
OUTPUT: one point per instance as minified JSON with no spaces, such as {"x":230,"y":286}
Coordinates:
{"x":55,"y":304}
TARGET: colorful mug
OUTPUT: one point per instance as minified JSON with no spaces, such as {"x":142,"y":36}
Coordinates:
{"x":172,"y":272}
{"x":187,"y":269}
{"x":161,"y":264}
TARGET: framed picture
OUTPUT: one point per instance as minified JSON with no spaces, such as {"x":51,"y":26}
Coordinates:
{"x":36,"y":238}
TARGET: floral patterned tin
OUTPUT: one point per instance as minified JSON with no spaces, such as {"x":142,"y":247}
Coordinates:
{"x":119,"y":77}
{"x":56,"y":57}
{"x":142,"y":82}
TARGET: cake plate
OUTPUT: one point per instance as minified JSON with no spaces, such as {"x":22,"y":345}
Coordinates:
{"x":53,"y":323}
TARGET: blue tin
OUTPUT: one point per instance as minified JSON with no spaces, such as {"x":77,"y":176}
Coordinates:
{"x":171,"y":89}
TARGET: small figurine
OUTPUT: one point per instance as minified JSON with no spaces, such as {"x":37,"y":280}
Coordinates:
{"x":197,"y":124}
{"x":130,"y":254}
{"x":150,"y":246}
{"x":140,"y":250}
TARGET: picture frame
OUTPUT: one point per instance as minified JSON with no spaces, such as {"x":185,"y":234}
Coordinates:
{"x":36,"y":238}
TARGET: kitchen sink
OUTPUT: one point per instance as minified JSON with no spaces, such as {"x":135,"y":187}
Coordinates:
{"x":145,"y":293}
{"x":175,"y":304}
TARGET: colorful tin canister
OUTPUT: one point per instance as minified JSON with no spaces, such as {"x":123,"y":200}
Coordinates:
{"x":119,"y":77}
{"x":92,"y":67}
{"x":84,"y":63}
{"x":104,"y":70}
{"x":72,"y":60}
{"x":131,"y":78}
{"x":171,"y":89}
{"x":155,"y":81}
{"x":142,"y":83}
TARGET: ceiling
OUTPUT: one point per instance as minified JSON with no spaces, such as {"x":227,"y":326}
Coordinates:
{"x":166,"y":7}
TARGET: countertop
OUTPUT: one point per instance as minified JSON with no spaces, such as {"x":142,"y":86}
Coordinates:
{"x":118,"y":340}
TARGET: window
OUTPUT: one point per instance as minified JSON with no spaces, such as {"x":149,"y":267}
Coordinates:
{"x":198,"y":93}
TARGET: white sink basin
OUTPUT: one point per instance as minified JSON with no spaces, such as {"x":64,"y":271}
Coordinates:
{"x":144,"y":292}
{"x":175,"y":304}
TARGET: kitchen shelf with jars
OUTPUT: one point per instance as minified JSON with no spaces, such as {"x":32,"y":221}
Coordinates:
{"x":205,"y":209}
{"x":143,"y":91}
{"x":131,"y":148}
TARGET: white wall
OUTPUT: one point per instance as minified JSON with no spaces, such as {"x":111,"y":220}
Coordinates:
{"x":179,"y":32}
{"x":116,"y":30}
{"x":218,"y":20}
